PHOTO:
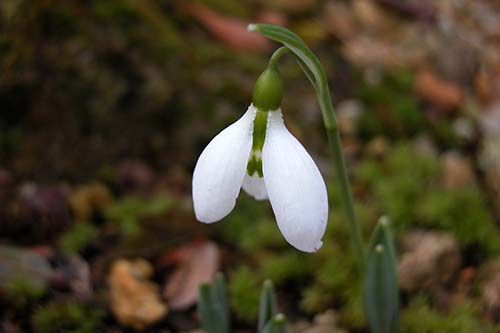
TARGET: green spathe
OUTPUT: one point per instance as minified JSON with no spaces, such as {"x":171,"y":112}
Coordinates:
{"x":268,"y":90}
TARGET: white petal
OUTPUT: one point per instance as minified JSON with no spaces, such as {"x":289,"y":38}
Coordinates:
{"x":220,"y":169}
{"x":255,"y":187}
{"x":295,"y":187}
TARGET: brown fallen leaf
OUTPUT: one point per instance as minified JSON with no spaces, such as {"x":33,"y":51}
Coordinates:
{"x":233,"y":32}
{"x":430,"y":259}
{"x":445,"y":95}
{"x":134,"y":300}
{"x":196,"y":263}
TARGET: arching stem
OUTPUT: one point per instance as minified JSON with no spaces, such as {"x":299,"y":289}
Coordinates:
{"x":277,"y":55}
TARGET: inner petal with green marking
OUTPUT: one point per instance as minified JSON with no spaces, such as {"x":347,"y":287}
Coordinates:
{"x":254,"y":165}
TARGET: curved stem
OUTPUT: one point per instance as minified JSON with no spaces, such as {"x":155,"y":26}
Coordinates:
{"x":314,"y":71}
{"x":277,"y":55}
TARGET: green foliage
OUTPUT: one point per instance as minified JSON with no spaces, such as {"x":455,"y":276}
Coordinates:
{"x":127,"y":212}
{"x":261,"y":234}
{"x":444,"y":135}
{"x":407,"y":187}
{"x":334,"y":277}
{"x":402,"y":182}
{"x":67,"y":316}
{"x":244,"y":286}
{"x":249,"y":216}
{"x":380,"y":290}
{"x":267,"y":305}
{"x":334,"y":269}
{"x":276,"y":325}
{"x":212,"y":306}
{"x":287,"y":265}
{"x":351,"y":313}
{"x":21,"y":292}
{"x":392,"y":110}
{"x":214,"y":312}
{"x":464,"y":213}
{"x":75,"y":239}
{"x":419,"y":317}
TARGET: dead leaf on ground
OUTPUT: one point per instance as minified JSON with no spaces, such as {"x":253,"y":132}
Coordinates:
{"x":445,"y":95}
{"x":134,"y":300}
{"x":197,"y":263}
{"x":233,"y":32}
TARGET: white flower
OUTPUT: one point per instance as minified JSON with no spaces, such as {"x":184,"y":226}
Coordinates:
{"x":291,"y":180}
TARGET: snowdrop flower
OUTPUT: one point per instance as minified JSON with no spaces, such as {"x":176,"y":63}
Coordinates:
{"x":259,"y":154}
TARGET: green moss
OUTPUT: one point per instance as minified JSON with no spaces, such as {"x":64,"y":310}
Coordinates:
{"x":21,"y":292}
{"x":392,"y":110}
{"x":316,"y":297}
{"x":332,"y":280}
{"x":74,"y":240}
{"x":244,"y":289}
{"x":68,"y":316}
{"x":351,"y":313}
{"x":464,"y":213}
{"x":419,"y":317}
{"x":444,"y":134}
{"x":248,"y":215}
{"x":288,"y":265}
{"x":334,"y":270}
{"x":127,"y":212}
{"x":260,"y":235}
{"x":407,"y":187}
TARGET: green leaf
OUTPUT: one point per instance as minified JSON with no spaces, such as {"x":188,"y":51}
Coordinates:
{"x":267,"y":305}
{"x":219,"y":295}
{"x":212,"y":307}
{"x":381,"y":296}
{"x":276,"y":325}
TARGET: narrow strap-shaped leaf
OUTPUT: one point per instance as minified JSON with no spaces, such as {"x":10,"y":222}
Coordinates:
{"x":381,"y":295}
{"x":267,"y":305}
{"x":219,"y":296}
{"x":276,"y":325}
{"x":212,"y":307}
{"x":209,"y":320}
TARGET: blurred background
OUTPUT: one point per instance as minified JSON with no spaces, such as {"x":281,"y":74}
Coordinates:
{"x":105,"y":106}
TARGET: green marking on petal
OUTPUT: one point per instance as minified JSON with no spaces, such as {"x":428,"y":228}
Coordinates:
{"x":254,"y":165}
